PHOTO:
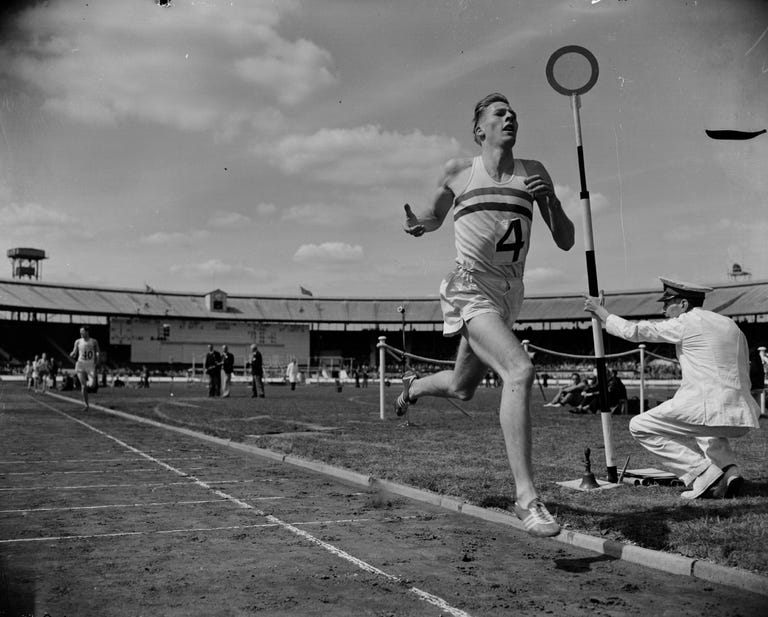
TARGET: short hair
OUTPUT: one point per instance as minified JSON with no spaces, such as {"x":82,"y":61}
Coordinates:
{"x":482,"y":105}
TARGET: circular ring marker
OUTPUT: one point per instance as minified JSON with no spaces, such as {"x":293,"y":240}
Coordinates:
{"x":572,"y":70}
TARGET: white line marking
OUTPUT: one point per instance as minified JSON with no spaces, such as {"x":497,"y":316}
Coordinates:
{"x":86,"y":471}
{"x":128,"y":505}
{"x":118,"y":534}
{"x":145,"y":484}
{"x":103,"y":460}
{"x":363,"y":565}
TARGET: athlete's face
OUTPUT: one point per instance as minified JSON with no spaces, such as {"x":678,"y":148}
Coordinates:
{"x":84,"y":333}
{"x":499,"y":123}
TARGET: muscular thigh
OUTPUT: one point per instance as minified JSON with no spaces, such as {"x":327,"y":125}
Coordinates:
{"x":492,"y":344}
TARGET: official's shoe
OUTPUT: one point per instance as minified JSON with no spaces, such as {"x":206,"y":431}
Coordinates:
{"x":403,"y":401}
{"x":537,"y":520}
{"x":729,"y":485}
{"x":703,"y":483}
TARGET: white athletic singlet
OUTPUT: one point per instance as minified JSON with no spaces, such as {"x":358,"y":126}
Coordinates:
{"x":492,"y":221}
{"x":86,"y":350}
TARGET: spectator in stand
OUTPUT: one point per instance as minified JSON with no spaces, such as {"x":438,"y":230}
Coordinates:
{"x":213,"y":370}
{"x":257,"y":372}
{"x":228,"y":366}
{"x":570,"y":394}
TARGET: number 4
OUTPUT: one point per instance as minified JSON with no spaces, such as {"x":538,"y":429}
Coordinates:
{"x":515,"y":230}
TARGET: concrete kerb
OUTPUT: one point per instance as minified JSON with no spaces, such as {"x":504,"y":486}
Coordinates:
{"x":657,"y":560}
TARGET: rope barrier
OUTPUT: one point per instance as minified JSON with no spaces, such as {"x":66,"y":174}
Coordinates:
{"x":655,"y":355}
{"x":581,"y":357}
{"x":400,"y":354}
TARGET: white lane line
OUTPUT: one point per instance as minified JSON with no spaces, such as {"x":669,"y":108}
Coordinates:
{"x":102,"y":460}
{"x":123,"y":485}
{"x":363,"y":565}
{"x":127,"y":505}
{"x":88,"y":471}
{"x":119,"y":534}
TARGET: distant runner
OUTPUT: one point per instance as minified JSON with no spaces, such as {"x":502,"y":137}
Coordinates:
{"x":86,"y":355}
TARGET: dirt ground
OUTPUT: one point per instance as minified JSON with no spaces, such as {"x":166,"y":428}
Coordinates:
{"x":102,"y":516}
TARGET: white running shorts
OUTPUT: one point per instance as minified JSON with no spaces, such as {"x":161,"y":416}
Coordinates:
{"x":465,"y":294}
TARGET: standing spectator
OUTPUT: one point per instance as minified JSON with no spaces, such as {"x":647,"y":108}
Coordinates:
{"x":713,"y":403}
{"x":42,"y":373}
{"x":213,"y":370}
{"x":365,"y":375}
{"x":86,"y":354}
{"x":29,"y":375}
{"x":292,"y":373}
{"x":144,"y":383}
{"x":257,"y":372}
{"x":53,"y":370}
{"x":228,"y":366}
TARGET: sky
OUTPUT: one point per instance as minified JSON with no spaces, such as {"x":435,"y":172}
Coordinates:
{"x":260,"y":146}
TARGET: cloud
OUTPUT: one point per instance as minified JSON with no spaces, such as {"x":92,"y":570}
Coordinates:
{"x":328,"y":252}
{"x":213,"y":267}
{"x":38,"y":223}
{"x":362,"y":156}
{"x":194,"y":66}
{"x":543,"y":275}
{"x":572,"y":202}
{"x":265,"y":209}
{"x":228,"y":220}
{"x":178,"y":238}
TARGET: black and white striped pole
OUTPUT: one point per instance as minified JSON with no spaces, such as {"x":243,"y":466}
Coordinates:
{"x":572,"y":71}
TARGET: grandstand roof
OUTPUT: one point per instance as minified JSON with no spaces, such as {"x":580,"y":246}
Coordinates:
{"x":735,"y":300}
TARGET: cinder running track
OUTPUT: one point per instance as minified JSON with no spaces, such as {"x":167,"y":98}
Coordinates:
{"x":102,"y":516}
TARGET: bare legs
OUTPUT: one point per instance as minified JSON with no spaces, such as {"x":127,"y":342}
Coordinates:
{"x":487,"y":342}
{"x":84,"y":389}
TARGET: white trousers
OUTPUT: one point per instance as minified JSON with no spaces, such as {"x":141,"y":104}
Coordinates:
{"x":666,"y":437}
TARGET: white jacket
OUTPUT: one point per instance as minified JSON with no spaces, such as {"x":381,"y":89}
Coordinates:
{"x":714,"y":361}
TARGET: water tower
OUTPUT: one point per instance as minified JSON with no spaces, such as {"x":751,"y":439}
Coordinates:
{"x":26,"y":263}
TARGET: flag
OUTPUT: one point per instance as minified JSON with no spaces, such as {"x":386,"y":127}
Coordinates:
{"x":305,"y":292}
{"x":148,"y":289}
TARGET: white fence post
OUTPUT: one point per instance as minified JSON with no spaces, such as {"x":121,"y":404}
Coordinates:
{"x":642,"y":378}
{"x":382,"y":358}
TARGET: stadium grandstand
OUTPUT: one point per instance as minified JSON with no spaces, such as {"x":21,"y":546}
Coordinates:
{"x":170,"y":331}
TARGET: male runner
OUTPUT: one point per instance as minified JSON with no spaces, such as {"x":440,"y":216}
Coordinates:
{"x":492,"y":196}
{"x":86,"y":354}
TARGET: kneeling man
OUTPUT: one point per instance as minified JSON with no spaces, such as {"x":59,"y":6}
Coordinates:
{"x":713,"y":403}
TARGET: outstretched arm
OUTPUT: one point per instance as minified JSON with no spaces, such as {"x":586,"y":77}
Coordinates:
{"x":540,"y":185}
{"x":433,"y":216}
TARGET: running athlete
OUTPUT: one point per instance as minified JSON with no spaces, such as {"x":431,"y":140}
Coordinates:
{"x":492,"y":196}
{"x":86,"y":355}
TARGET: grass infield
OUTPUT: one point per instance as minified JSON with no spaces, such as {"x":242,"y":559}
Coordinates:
{"x":449,"y":453}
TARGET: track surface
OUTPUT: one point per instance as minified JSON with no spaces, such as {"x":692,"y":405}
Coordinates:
{"x":103,"y":516}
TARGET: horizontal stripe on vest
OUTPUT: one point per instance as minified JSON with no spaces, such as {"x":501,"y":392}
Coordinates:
{"x":496,"y":206}
{"x":495,"y":191}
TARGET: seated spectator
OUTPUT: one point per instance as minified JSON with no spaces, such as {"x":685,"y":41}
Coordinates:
{"x":570,"y":394}
{"x":590,"y":397}
{"x":617,"y":392}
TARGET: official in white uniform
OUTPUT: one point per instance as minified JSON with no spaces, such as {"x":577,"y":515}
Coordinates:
{"x":713,"y":403}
